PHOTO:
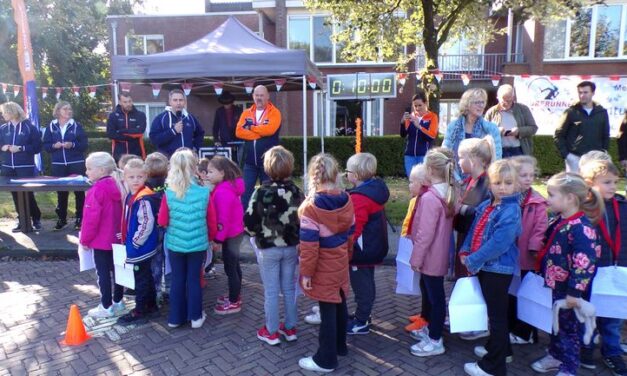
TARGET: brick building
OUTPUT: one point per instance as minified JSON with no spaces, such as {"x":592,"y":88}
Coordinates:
{"x":595,"y":42}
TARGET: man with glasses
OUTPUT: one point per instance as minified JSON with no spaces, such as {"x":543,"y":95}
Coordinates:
{"x":515,"y":123}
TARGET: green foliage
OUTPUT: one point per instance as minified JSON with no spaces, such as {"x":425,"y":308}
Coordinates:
{"x":66,"y":36}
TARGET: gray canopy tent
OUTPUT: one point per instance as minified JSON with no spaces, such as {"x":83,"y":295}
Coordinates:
{"x":230,"y":55}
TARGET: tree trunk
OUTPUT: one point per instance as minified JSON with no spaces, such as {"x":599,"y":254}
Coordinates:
{"x":428,"y":81}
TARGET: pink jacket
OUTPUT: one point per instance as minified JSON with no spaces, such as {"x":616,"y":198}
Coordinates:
{"x":227,"y":200}
{"x":431,"y":235}
{"x":102,"y":215}
{"x":534,"y":224}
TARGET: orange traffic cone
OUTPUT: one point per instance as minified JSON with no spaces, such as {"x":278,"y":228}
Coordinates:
{"x":75,"y":333}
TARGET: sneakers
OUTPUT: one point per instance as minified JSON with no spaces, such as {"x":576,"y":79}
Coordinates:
{"x":17,"y":228}
{"x":471,"y":336}
{"x":228,"y":307}
{"x":314,"y":318}
{"x":428,"y":347}
{"x":118,"y":307}
{"x":211,"y":274}
{"x":223,"y":298}
{"x":288,"y":334}
{"x":616,"y":364}
{"x":77,"y":224}
{"x":480,"y":352}
{"x":355,"y":326}
{"x":131,"y":317}
{"x":546,"y":364}
{"x":61,"y":223}
{"x":562,"y":373}
{"x":198,"y":323}
{"x":308,"y":364}
{"x":417,"y":323}
{"x":101,"y":312}
{"x":37,"y":226}
{"x":515,"y":340}
{"x":586,"y":358}
{"x":271,"y":339}
{"x":421,"y":334}
{"x":473,"y":369}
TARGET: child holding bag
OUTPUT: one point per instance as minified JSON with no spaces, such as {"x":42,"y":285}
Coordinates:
{"x":490,"y":252}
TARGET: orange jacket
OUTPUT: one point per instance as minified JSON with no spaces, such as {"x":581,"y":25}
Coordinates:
{"x":268,"y":126}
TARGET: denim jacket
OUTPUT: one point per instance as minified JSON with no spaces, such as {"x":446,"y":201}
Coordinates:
{"x":498,"y":252}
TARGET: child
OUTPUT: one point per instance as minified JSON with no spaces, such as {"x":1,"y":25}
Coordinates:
{"x":370,"y":238}
{"x":534,"y":223}
{"x":124,"y":158}
{"x":603,"y":176}
{"x":568,"y":263}
{"x":141,"y":237}
{"x":272,"y":218}
{"x":101,"y":228}
{"x":203,"y":164}
{"x":208,"y":267}
{"x":326,"y":226}
{"x":490,"y":252}
{"x":156,"y":166}
{"x":188,"y":215}
{"x":431,"y":236}
{"x":227,"y":196}
{"x":594,"y":155}
{"x":418,"y":184}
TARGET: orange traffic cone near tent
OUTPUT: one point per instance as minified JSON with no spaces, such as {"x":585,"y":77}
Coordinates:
{"x":75,"y":334}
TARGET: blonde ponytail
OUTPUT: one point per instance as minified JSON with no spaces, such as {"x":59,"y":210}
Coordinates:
{"x":443,"y":167}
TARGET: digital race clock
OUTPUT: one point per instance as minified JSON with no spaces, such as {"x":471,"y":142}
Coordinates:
{"x":361,"y":85}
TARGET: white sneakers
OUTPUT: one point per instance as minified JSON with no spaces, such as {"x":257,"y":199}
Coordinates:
{"x":473,"y":369}
{"x":198,"y":323}
{"x":314,"y":318}
{"x":515,"y":340}
{"x":546,"y":364}
{"x":309,"y":365}
{"x":480,"y":352}
{"x":101,"y":312}
{"x":471,"y":336}
{"x":118,"y":307}
{"x":428,"y":347}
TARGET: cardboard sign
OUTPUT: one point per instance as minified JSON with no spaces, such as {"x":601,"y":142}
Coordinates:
{"x":609,"y":292}
{"x":535,"y":302}
{"x":407,"y":280}
{"x":467,"y":310}
{"x":86,"y":258}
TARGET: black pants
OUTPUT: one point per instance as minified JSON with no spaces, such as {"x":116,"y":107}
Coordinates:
{"x":232,"y":268}
{"x":365,"y":290}
{"x":425,"y":304}
{"x":104,"y":268}
{"x":332,"y":337}
{"x":495,"y":288}
{"x":63,"y":171}
{"x":24,"y":172}
{"x":145,"y":294}
{"x":516,"y":326}
{"x":437,"y":300}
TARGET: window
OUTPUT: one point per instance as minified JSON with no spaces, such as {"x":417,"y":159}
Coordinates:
{"x":151,"y":110}
{"x":461,"y":55}
{"x":144,"y":44}
{"x":449,"y":111}
{"x":313,"y":34}
{"x":595,"y":32}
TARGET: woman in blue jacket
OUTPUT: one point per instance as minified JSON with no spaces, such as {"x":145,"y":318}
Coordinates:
{"x":20,"y":141}
{"x":66,"y":142}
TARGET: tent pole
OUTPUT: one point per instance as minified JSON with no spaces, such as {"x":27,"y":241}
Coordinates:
{"x":323,"y":127}
{"x":304,"y":133}
{"x":115,"y":93}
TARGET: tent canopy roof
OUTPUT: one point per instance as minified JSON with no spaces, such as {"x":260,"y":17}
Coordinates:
{"x":230,"y":51}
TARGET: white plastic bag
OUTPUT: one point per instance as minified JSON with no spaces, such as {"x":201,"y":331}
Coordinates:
{"x":407,"y":280}
{"x":535,"y":302}
{"x":467,"y":310}
{"x":609,"y":292}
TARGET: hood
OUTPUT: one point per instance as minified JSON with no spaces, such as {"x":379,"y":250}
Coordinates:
{"x":336,"y":208}
{"x":536,"y":198}
{"x":236,"y":186}
{"x":375,"y":189}
{"x":110,"y":188}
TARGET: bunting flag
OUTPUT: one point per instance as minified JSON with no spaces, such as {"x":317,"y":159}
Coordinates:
{"x":438,"y":75}
{"x":312,"y":82}
{"x":125,"y":86}
{"x":16,"y":90}
{"x":92,"y":91}
{"x":496,"y":78}
{"x":218,"y":87}
{"x":187,"y":88}
{"x":466,"y":78}
{"x":44,"y":92}
{"x":156,"y":89}
{"x":614,"y":77}
{"x":4,"y":88}
{"x":585,"y":77}
{"x":401,"y":78}
{"x":76,"y":91}
{"x":248,"y":85}
{"x":555,"y":77}
{"x":279,"y":83}
{"x":59,"y":91}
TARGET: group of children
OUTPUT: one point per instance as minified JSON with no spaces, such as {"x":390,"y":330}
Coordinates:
{"x":501,"y":223}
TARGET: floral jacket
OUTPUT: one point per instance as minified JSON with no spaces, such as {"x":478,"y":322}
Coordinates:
{"x":569,"y":258}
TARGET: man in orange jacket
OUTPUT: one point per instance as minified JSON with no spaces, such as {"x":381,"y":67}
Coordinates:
{"x":259,"y":127}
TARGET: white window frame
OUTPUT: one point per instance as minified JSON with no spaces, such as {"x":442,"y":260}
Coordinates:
{"x":622,"y":51}
{"x":146,"y":38}
{"x":144,"y":107}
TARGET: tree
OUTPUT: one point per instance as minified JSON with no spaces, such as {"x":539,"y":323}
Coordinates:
{"x":67,"y":36}
{"x":374,"y":29}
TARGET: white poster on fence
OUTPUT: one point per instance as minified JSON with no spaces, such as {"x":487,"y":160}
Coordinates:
{"x":548,"y":96}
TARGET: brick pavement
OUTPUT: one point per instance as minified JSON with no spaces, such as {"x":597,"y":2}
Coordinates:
{"x":34,"y":302}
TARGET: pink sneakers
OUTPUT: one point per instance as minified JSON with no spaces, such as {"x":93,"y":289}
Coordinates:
{"x":228,"y":307}
{"x":265,"y":336}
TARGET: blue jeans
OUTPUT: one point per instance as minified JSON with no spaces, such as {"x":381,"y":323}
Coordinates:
{"x":251,"y":174}
{"x":185,"y":293}
{"x":437,"y":302}
{"x":609,"y":330}
{"x":411,"y":162}
{"x":365,"y":290}
{"x":277,"y":267}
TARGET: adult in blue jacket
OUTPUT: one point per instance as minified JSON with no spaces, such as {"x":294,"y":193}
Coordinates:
{"x":66,"y":142}
{"x":20,"y":141}
{"x":175,"y":127}
{"x":125,"y":127}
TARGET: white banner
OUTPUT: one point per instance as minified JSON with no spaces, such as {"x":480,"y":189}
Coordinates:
{"x":548,"y":96}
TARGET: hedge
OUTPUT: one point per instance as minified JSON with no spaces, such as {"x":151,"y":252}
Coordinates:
{"x":387,"y":149}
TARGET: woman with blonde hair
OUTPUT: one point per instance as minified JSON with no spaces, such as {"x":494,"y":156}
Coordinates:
{"x":66,"y":141}
{"x":470,"y":123}
{"x":20,"y":140}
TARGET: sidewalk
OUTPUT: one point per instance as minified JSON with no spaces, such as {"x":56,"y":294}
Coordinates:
{"x":35,"y":297}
